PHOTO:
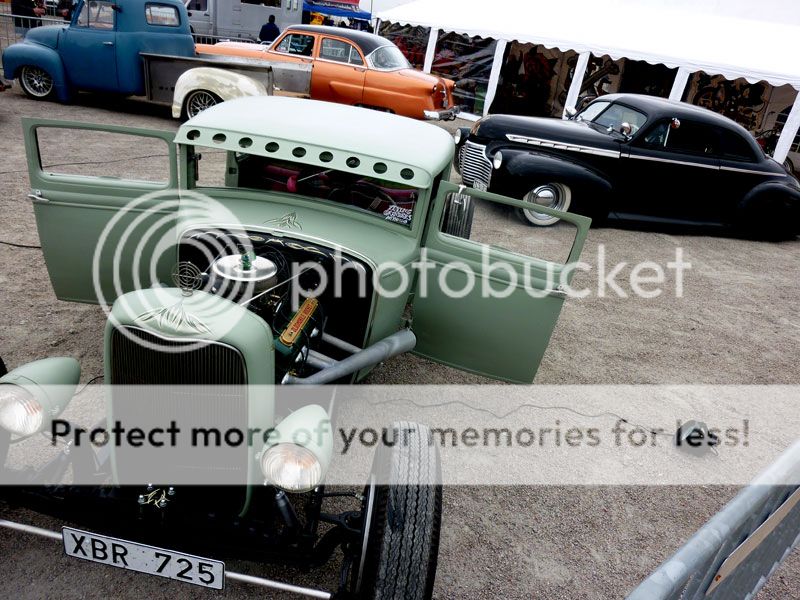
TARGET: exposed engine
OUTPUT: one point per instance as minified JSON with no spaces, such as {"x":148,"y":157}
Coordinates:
{"x":316,"y":301}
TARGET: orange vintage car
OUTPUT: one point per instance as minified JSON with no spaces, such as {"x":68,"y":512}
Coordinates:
{"x":354,"y":67}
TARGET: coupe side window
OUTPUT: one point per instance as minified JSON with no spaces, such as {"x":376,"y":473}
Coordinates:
{"x":97,"y":15}
{"x":693,"y":138}
{"x":735,"y":147}
{"x":297,"y":44}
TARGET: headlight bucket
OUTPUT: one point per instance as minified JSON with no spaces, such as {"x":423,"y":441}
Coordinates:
{"x":461,"y":135}
{"x":291,"y":467}
{"x":497,"y":160}
{"x":298,"y":453}
{"x":34,"y":394}
{"x":20,"y":413}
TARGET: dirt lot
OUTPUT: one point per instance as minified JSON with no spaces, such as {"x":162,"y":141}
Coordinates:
{"x":736,"y":324}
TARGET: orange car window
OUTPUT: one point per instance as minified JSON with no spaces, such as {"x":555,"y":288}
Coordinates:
{"x":340,"y":51}
{"x":297,"y":44}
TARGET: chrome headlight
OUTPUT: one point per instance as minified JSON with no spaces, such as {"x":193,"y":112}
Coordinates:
{"x":20,"y":412}
{"x":291,"y":467}
{"x":497,"y":161}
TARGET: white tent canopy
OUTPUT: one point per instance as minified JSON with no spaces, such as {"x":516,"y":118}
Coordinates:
{"x":734,"y":38}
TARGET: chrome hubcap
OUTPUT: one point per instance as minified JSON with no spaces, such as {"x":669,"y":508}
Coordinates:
{"x":199,"y":102}
{"x":37,"y":81}
{"x":551,"y":195}
{"x":545,"y":196}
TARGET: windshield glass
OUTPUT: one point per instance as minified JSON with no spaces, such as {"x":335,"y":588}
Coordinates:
{"x":389,"y":201}
{"x":388,"y":57}
{"x":608,"y":114}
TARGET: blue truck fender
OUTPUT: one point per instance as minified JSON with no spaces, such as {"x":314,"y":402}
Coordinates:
{"x":25,"y":54}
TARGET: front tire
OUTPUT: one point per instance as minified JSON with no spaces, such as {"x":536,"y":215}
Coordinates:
{"x":198,"y":101}
{"x":551,"y":195}
{"x":36,"y":83}
{"x":400,"y":541}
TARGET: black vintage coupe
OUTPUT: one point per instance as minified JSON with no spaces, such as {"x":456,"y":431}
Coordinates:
{"x":634,"y":157}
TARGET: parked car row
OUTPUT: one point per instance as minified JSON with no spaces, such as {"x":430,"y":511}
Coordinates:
{"x":147,"y":50}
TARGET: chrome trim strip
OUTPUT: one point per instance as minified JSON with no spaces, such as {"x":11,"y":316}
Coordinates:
{"x":673,"y":162}
{"x":751,"y":171}
{"x":544,"y":143}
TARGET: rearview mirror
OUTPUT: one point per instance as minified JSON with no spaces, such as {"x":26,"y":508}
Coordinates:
{"x":570,"y":112}
{"x":626,"y":129}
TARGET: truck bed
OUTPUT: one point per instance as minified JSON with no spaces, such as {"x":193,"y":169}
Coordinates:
{"x":162,"y":72}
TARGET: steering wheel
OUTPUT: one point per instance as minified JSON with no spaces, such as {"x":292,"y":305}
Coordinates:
{"x":348,"y":194}
{"x":371,"y":190}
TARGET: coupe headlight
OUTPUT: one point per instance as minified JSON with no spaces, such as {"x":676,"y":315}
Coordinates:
{"x":291,"y":467}
{"x":497,"y":161}
{"x":457,"y":137}
{"x":20,"y":412}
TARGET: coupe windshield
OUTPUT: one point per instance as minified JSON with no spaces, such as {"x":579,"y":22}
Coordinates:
{"x":388,"y":57}
{"x":609,"y":114}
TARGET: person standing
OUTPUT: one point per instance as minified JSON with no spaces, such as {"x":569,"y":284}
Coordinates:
{"x":25,"y":12}
{"x":64,"y":9}
{"x":269,"y":31}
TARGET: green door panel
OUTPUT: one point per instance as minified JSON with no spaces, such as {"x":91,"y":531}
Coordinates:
{"x":73,"y":213}
{"x":503,"y":338}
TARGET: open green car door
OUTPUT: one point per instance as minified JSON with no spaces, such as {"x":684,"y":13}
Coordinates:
{"x":83,"y":200}
{"x":486,"y":309}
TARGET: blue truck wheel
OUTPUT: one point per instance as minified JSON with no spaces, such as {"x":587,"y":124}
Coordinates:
{"x":36,"y":82}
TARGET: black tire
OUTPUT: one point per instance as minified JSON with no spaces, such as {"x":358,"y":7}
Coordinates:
{"x":771,"y":216}
{"x":197,"y":98}
{"x":36,"y":82}
{"x":401,"y":548}
{"x":3,"y":369}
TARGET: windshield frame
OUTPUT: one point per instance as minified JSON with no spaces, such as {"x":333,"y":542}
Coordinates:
{"x":391,"y":216}
{"x":371,"y":62}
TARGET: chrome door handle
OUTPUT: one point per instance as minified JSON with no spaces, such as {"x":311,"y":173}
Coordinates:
{"x":108,"y":43}
{"x":37,"y":197}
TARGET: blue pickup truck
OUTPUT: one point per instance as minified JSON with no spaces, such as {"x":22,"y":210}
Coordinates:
{"x":139,"y":48}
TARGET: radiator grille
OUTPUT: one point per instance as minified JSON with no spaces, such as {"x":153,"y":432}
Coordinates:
{"x":201,"y":387}
{"x":475,"y":166}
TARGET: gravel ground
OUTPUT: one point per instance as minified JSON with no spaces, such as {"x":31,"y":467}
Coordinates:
{"x":736,"y":324}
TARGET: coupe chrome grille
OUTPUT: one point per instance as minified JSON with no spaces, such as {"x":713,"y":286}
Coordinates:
{"x":475,"y":166}
{"x":203,"y":387}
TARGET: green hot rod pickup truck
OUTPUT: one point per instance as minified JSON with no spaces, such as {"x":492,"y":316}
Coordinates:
{"x":261,"y":259}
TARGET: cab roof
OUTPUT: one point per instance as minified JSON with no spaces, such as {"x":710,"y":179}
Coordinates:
{"x":299,"y":130}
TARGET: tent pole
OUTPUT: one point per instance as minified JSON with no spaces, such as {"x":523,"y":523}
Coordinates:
{"x":679,"y":85}
{"x":788,"y":133}
{"x":433,"y":38}
{"x":577,"y":82}
{"x":494,"y":76}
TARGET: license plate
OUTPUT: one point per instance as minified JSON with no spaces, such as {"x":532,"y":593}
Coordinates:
{"x":480,"y":186}
{"x":144,"y":559}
